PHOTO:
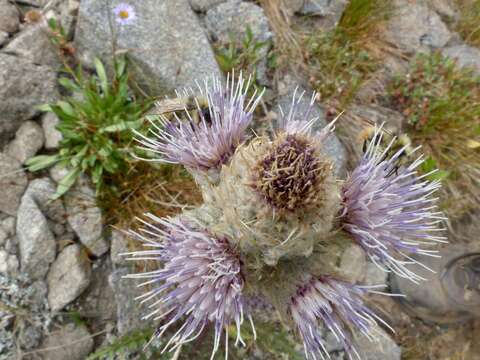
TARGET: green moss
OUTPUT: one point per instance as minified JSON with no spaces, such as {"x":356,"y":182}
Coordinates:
{"x":441,"y":103}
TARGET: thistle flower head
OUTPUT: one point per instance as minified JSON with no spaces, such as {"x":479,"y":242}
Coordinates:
{"x":209,"y":142}
{"x":390,"y":211}
{"x":291,"y":174}
{"x":340,"y":307}
{"x":200,"y":282}
{"x":124,"y":14}
{"x":292,"y":122}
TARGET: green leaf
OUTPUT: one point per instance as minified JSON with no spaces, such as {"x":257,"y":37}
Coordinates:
{"x":67,"y":182}
{"x":68,"y":84}
{"x":66,"y":108}
{"x":102,"y":75}
{"x":122,"y":126}
{"x":41,"y":162}
{"x":45,"y":108}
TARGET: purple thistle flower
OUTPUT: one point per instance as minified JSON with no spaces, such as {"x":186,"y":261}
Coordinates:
{"x":293,"y":123}
{"x":200,"y":282}
{"x":390,"y":211}
{"x":210,"y":142}
{"x":124,"y":14}
{"x":340,"y":307}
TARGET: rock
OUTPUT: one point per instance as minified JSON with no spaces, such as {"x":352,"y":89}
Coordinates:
{"x":71,"y":342}
{"x":3,"y":262}
{"x":175,"y":57}
{"x":52,"y":135}
{"x":324,"y":8}
{"x":29,"y":337}
{"x":118,"y":246}
{"x":333,"y":147}
{"x":3,"y":37}
{"x":465,"y":56}
{"x":444,"y":8}
{"x":12,"y":265}
{"x":8,"y":225}
{"x":11,"y":245}
{"x":416,"y":28}
{"x":129,"y":312}
{"x":58,"y":172}
{"x":3,"y":236}
{"x":353,"y":264}
{"x":97,"y":299}
{"x":28,"y":140}
{"x":41,"y":191}
{"x":12,"y":182}
{"x":36,"y":241}
{"x":204,"y":5}
{"x":9,"y":17}
{"x":383,"y":349}
{"x":23,"y":86}
{"x":374,"y":275}
{"x":85,"y":217}
{"x":233,"y":17}
{"x":33,"y":43}
{"x":293,"y":6}
{"x":68,"y":277}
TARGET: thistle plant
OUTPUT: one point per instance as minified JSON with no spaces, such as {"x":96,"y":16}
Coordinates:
{"x":273,"y":225}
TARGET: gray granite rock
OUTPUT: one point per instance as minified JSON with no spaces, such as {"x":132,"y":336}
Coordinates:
{"x":12,"y":182}
{"x":36,"y":241}
{"x":52,"y":135}
{"x":9,"y":17}
{"x":41,"y":191}
{"x":68,"y":277}
{"x":13,"y":265}
{"x":324,"y":8}
{"x":416,"y":28}
{"x":118,"y":246}
{"x":97,"y":299}
{"x":293,"y":6}
{"x":3,"y":236}
{"x":8,"y":225}
{"x":23,"y":86}
{"x":3,"y":37}
{"x":129,"y":312}
{"x":29,"y":337}
{"x":465,"y":56}
{"x":71,"y":342}
{"x":333,"y":147}
{"x":204,"y":5}
{"x":85,"y":217}
{"x":233,"y":17}
{"x":353,"y":263}
{"x":28,"y":140}
{"x":165,"y":42}
{"x":374,"y":275}
{"x":58,"y":172}
{"x":3,"y":261}
{"x":33,"y":43}
{"x":383,"y":349}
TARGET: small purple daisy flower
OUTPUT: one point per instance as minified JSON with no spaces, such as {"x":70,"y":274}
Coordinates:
{"x":124,"y":14}
{"x":390,"y":211}
{"x":200,"y":281}
{"x":210,"y":142}
{"x":340,"y":307}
